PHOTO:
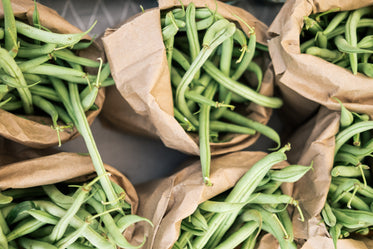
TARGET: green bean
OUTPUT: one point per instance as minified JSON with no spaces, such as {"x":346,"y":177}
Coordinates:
{"x":10,"y":67}
{"x":285,"y":220}
{"x":181,"y":59}
{"x":239,"y":236}
{"x":351,"y":35}
{"x":49,"y":37}
{"x":112,"y":229}
{"x":30,"y":244}
{"x":307,"y":44}
{"x":240,"y":89}
{"x":328,"y":216}
{"x":79,"y":197}
{"x":353,"y":218}
{"x":255,"y":68}
{"x":311,"y":25}
{"x":346,"y":158}
{"x":291,"y":173}
{"x":248,"y":56}
{"x":12,"y":106}
{"x":24,"y":66}
{"x":364,"y":22}
{"x":49,"y":108}
{"x":337,"y":19}
{"x":204,"y":134}
{"x":26,"y":226}
{"x":366,"y":68}
{"x":43,"y":216}
{"x":45,"y":92}
{"x":67,"y":55}
{"x":345,"y":47}
{"x":83,"y":44}
{"x":10,"y":31}
{"x":18,"y":212}
{"x":206,"y":101}
{"x":226,"y":127}
{"x":347,"y":133}
{"x":169,"y":31}
{"x":192,"y":34}
{"x":57,"y":196}
{"x":72,"y":237}
{"x":261,"y":128}
{"x":91,"y":235}
{"x":219,"y":223}
{"x":83,"y":127}
{"x":322,"y":40}
{"x":351,"y":171}
{"x":351,"y":199}
{"x":1,"y":33}
{"x":366,"y":42}
{"x":34,"y":78}
{"x":55,"y":70}
{"x":179,"y":23}
{"x":208,"y":47}
{"x":32,"y":52}
{"x":324,"y":53}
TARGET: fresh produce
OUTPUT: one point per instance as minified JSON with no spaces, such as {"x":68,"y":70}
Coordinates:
{"x":341,"y":37}
{"x":239,"y":215}
{"x":208,"y":56}
{"x":63,"y":216}
{"x":348,"y":209}
{"x":40,"y":72}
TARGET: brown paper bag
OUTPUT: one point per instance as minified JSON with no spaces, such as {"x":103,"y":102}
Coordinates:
{"x":31,"y":172}
{"x":166,"y":202}
{"x":36,"y":131}
{"x":315,"y":142}
{"x":139,"y":68}
{"x":306,"y":81}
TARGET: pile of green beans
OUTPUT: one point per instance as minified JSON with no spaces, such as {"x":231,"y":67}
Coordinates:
{"x":348,"y":209}
{"x":241,"y":215}
{"x":63,"y":216}
{"x":41,"y":73}
{"x":344,"y":38}
{"x":207,"y":55}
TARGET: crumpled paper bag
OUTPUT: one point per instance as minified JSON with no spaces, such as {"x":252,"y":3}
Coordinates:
{"x":166,"y":202}
{"x":139,"y":67}
{"x":36,"y":131}
{"x":306,"y":81}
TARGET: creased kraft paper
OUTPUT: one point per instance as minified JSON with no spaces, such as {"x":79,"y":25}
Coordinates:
{"x":139,"y":67}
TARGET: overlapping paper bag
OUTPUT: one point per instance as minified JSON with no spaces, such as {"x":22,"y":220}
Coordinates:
{"x":36,"y":168}
{"x":306,"y":81}
{"x":315,"y":142}
{"x":166,"y":202}
{"x":36,"y":131}
{"x":139,"y":67}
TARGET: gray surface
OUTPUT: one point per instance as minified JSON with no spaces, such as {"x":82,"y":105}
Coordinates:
{"x":140,"y":159}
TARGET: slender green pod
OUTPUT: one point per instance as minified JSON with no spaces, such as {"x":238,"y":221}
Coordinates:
{"x":40,"y":50}
{"x":10,"y":31}
{"x":259,"y":127}
{"x":220,"y":126}
{"x":27,"y":243}
{"x":291,"y":173}
{"x":237,"y":237}
{"x":347,"y":133}
{"x":8,"y":64}
{"x":49,"y":37}
{"x":219,"y":223}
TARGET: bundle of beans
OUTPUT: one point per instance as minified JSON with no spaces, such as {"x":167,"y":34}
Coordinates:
{"x":188,"y":214}
{"x":323,"y":191}
{"x":34,"y":62}
{"x":62,"y":73}
{"x":200,"y":67}
{"x":348,"y":208}
{"x":343,"y":38}
{"x":52,"y":202}
{"x":307,"y":81}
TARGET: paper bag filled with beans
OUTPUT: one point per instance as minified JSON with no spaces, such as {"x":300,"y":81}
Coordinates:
{"x":321,"y":50}
{"x":336,"y":196}
{"x":246,"y":206}
{"x":197,"y":73}
{"x":56,"y":201}
{"x":41,"y":54}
